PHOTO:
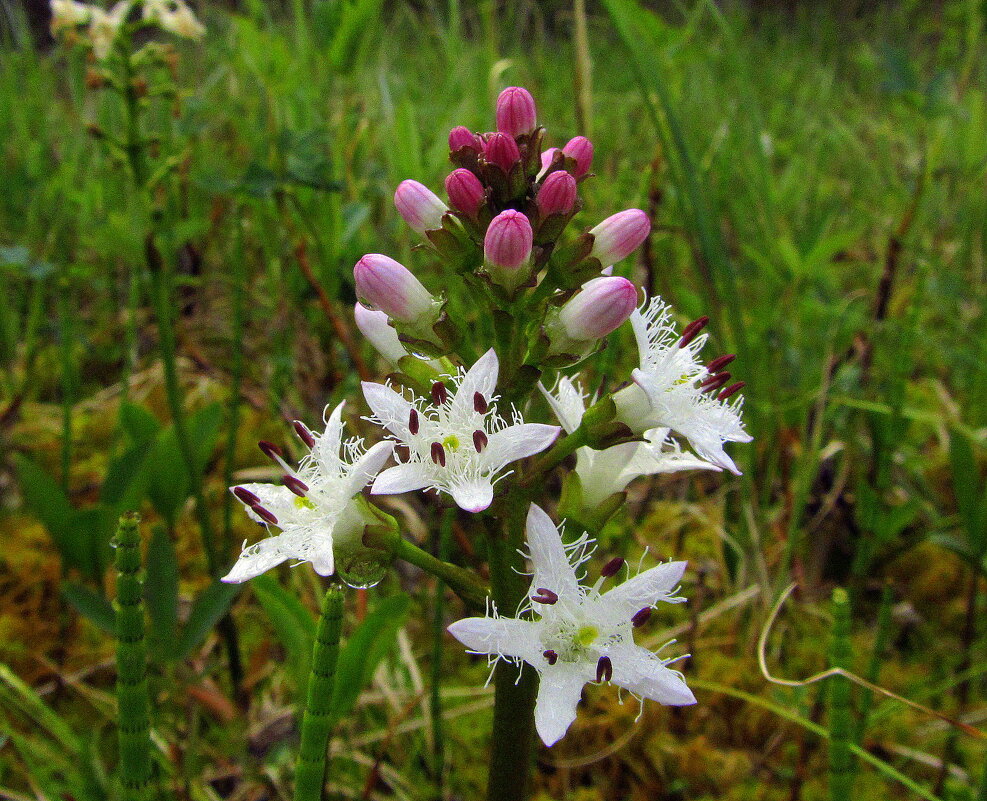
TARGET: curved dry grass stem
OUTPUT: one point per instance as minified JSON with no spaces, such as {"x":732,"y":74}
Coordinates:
{"x":762,"y":663}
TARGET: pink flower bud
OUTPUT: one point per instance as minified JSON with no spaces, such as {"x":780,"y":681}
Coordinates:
{"x":557,"y":194}
{"x":501,"y":150}
{"x":516,"y":112}
{"x":376,"y":327}
{"x":580,"y":149}
{"x":461,"y":136}
{"x":388,"y":286}
{"x":465,"y":191}
{"x":419,"y":206}
{"x":507,"y":245}
{"x":618,"y":236}
{"x":601,"y":306}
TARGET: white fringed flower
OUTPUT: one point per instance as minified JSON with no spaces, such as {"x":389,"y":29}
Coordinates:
{"x":316,"y":507}
{"x":672,"y":389}
{"x":174,"y":16}
{"x":104,"y":26}
{"x":578,"y":634}
{"x":68,"y":14}
{"x":457,"y":442}
{"x":602,"y":473}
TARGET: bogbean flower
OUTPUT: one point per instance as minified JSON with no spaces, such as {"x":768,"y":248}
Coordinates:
{"x":104,"y":26}
{"x":673,"y":389}
{"x":602,"y":473}
{"x":68,"y":14}
{"x":501,"y":150}
{"x":507,"y":249}
{"x":580,"y":149}
{"x":457,"y":442}
{"x":316,"y":508}
{"x":573,"y":634}
{"x":461,"y":136}
{"x":174,"y":16}
{"x":376,"y":327}
{"x":419,"y":206}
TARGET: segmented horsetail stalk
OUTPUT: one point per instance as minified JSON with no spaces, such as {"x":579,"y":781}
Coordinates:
{"x":310,"y":772}
{"x":136,"y":768}
{"x":841,"y":728}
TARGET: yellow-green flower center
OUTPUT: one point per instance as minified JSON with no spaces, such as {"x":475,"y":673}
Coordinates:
{"x":451,"y":442}
{"x":586,"y":635}
{"x":304,"y":503}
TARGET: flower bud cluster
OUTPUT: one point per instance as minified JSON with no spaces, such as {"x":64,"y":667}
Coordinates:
{"x":509,"y":203}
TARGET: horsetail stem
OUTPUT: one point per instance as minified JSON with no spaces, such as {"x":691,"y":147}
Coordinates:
{"x":841,"y":762}
{"x":136,"y":767}
{"x":310,"y":772}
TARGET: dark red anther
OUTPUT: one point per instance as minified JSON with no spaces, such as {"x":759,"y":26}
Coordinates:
{"x":439,"y":393}
{"x":641,"y":617}
{"x":612,"y":567}
{"x":438,"y":454}
{"x":304,"y":434}
{"x":733,"y":389}
{"x":713,"y":382}
{"x":263,"y":514}
{"x":295,"y":485}
{"x":720,"y":362}
{"x":480,"y":403}
{"x":604,"y":669}
{"x":479,"y":440}
{"x":413,"y":422}
{"x":246,"y":496}
{"x":550,"y":656}
{"x":692,"y":329}
{"x":544,"y":596}
{"x":270,"y":450}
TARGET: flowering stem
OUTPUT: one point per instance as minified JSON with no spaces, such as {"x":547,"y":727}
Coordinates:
{"x":464,"y":583}
{"x":559,"y":451}
{"x":136,"y":767}
{"x":514,"y":695}
{"x":310,"y":772}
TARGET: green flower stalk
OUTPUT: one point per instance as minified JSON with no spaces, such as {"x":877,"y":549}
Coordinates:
{"x":310,"y":773}
{"x":136,"y":768}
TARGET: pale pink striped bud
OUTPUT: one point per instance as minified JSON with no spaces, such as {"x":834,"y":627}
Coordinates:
{"x":601,"y":306}
{"x":618,"y":236}
{"x":461,"y":136}
{"x":389,"y":286}
{"x":507,"y":245}
{"x":547,"y":156}
{"x":376,"y":327}
{"x":465,"y":191}
{"x":516,"y":114}
{"x":501,"y":150}
{"x":558,"y":194}
{"x":580,"y":149}
{"x":420,"y":207}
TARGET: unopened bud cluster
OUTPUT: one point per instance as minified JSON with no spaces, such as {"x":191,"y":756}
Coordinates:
{"x":510,"y":202}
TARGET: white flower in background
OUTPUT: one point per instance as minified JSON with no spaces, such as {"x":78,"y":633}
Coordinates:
{"x":316,"y":505}
{"x":457,"y":443}
{"x":602,"y":473}
{"x":578,"y":634}
{"x":174,"y":16}
{"x":68,"y":14}
{"x":672,"y":389}
{"x":104,"y":26}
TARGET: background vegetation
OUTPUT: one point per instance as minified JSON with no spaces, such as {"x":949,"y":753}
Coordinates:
{"x":817,"y":184}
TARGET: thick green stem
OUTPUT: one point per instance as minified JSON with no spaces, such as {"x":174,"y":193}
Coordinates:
{"x":136,"y":767}
{"x":514,"y":694}
{"x":310,"y":773}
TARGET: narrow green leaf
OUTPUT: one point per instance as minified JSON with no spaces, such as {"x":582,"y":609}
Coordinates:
{"x":139,"y":423}
{"x":366,"y":647}
{"x":207,"y":610}
{"x":46,"y":499}
{"x":167,"y":479}
{"x":293,"y":625}
{"x":161,"y":592}
{"x":90,"y":604}
{"x":968,"y":492}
